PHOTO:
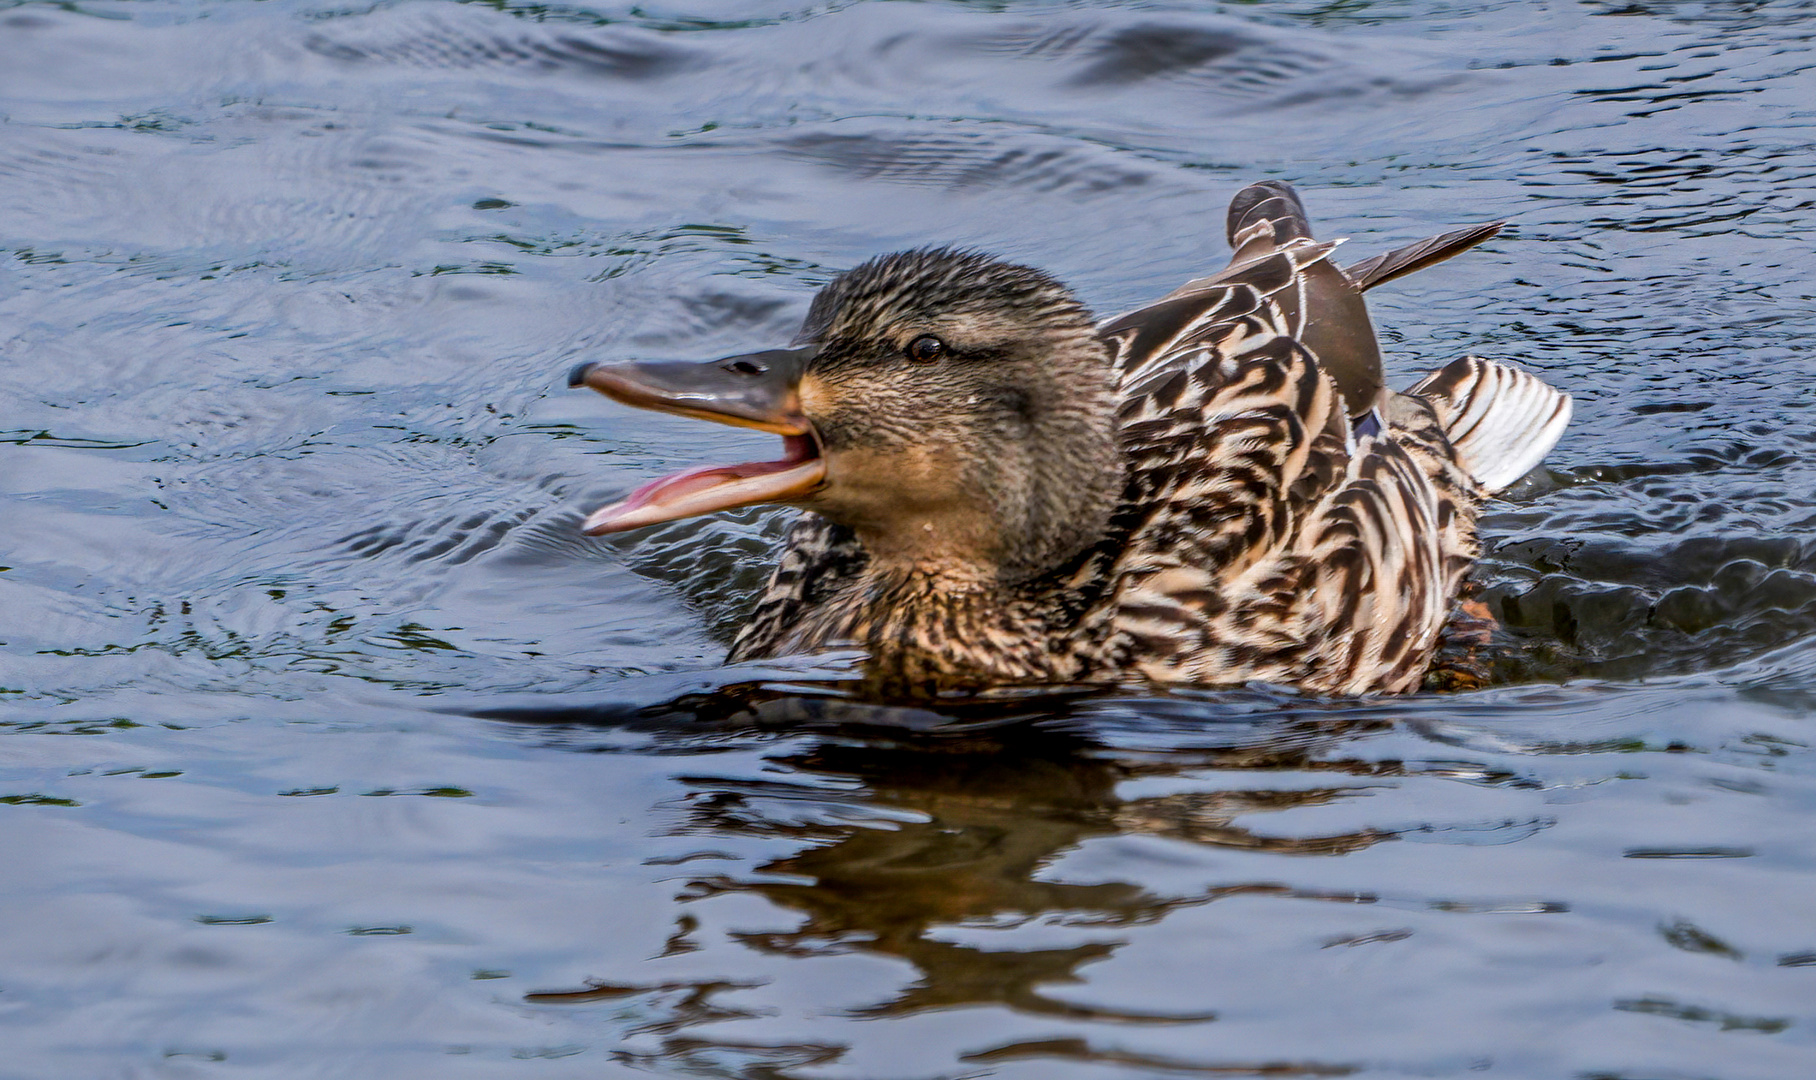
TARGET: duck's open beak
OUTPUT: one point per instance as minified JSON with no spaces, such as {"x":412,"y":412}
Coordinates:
{"x":758,"y":390}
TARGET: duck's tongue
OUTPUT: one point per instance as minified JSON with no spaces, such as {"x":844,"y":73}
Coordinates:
{"x":756,"y":391}
{"x":708,"y":488}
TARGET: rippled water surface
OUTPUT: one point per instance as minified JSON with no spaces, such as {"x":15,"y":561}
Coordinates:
{"x":330,"y":748}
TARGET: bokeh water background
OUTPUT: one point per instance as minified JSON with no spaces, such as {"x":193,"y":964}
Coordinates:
{"x":328,"y":748}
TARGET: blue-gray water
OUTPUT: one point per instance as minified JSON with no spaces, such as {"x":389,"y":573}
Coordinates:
{"x":331,"y":750}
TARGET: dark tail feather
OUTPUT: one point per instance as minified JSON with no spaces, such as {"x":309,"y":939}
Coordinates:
{"x":1398,"y":263}
{"x":1273,"y":201}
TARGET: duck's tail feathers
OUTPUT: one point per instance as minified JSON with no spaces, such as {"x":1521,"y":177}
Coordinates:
{"x":1413,"y":257}
{"x":1501,"y":421}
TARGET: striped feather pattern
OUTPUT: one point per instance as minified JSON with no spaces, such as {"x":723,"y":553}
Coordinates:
{"x":1259,"y":537}
{"x":1500,"y":421}
{"x":1259,"y":275}
{"x":819,"y":561}
{"x":1271,"y":544}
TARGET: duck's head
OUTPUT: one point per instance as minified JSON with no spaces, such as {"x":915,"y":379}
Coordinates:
{"x":956,"y":411}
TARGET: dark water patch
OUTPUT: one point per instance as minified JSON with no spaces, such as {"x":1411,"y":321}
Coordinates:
{"x":638,"y":15}
{"x":1080,"y":1050}
{"x":616,"y":53}
{"x":1379,"y":937}
{"x":1689,"y":937}
{"x":1235,"y":61}
{"x":985,"y":159}
{"x":1690,"y":853}
{"x":1627,"y":611}
{"x":1147,"y":51}
{"x":1697,"y":1014}
{"x":36,"y":799}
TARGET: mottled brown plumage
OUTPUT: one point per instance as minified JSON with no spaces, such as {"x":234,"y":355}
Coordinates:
{"x":1002,"y":492}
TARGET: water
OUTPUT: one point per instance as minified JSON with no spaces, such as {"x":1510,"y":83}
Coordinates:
{"x":331,"y":749}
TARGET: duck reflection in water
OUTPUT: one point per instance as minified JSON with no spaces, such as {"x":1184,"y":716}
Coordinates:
{"x":973,"y":818}
{"x":996,"y":813}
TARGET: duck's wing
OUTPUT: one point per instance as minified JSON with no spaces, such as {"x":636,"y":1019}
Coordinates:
{"x":1274,"y":252}
{"x":818,"y":558}
{"x":1148,"y":340}
{"x":1232,"y":434}
{"x":1417,"y":256}
{"x":1262,"y":540}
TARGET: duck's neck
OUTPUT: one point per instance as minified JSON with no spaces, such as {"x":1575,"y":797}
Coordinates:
{"x":929,"y":627}
{"x":955,"y":551}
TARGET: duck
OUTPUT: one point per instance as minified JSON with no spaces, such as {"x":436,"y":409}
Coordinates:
{"x":1000,"y":490}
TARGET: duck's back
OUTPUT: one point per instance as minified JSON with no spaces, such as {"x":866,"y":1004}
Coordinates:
{"x":1264,"y":539}
{"x":1288,"y":519}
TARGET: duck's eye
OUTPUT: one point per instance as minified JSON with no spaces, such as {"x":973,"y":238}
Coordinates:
{"x":926,"y":349}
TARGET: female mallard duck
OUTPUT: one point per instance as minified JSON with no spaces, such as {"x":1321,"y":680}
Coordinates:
{"x":1213,"y":489}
